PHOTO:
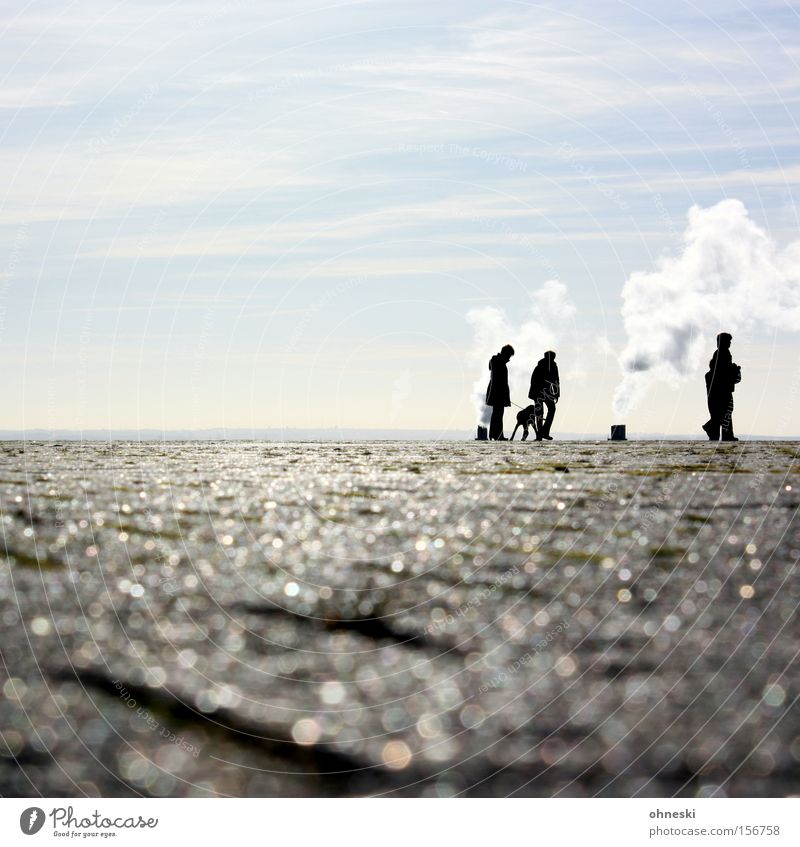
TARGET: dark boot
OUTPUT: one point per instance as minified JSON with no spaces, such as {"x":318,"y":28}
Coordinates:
{"x":727,"y":434}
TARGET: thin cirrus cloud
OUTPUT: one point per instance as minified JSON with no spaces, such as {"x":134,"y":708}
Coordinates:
{"x":292,"y":238}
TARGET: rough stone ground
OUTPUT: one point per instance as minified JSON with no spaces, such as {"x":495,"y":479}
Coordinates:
{"x":194,"y":619}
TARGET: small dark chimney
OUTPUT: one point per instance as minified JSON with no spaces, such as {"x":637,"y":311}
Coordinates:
{"x":483,"y":434}
{"x":618,"y":432}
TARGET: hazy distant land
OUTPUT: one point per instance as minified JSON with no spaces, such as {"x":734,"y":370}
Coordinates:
{"x":321,"y":434}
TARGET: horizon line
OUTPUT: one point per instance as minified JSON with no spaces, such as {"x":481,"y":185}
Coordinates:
{"x":314,"y":434}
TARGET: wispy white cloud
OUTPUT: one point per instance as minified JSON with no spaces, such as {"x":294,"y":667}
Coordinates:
{"x":253,"y":145}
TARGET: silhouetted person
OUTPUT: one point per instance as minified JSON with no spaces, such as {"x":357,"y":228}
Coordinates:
{"x":497,"y":394}
{"x":545,"y":391}
{"x":723,"y":374}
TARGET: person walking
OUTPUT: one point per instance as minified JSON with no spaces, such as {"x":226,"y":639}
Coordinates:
{"x":545,"y":391}
{"x":498,"y":395}
{"x":722,"y":377}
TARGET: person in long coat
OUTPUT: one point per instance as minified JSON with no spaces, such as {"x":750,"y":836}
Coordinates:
{"x":498,"y":395}
{"x":723,"y":375}
{"x":545,"y":391}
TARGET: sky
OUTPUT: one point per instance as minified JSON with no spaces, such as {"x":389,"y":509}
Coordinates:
{"x":302,"y":214}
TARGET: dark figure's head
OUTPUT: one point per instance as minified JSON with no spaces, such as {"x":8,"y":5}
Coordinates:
{"x":724,"y":341}
{"x":507,"y":352}
{"x":549,"y":357}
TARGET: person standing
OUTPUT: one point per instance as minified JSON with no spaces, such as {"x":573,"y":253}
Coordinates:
{"x":498,"y":395}
{"x":722,"y":377}
{"x":545,"y":391}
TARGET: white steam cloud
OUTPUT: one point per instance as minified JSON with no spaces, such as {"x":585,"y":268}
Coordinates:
{"x":551,"y":311}
{"x":730,"y":276}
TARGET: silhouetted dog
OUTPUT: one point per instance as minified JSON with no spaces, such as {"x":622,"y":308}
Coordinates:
{"x":525,"y":419}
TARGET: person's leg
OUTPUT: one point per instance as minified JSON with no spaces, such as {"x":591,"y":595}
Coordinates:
{"x":727,"y":421}
{"x":537,"y":417}
{"x":712,"y":426}
{"x":500,"y":412}
{"x":551,"y":413}
{"x":496,"y":424}
{"x":493,"y":424}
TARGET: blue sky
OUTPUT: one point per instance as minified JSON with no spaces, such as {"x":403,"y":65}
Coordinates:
{"x":281,"y":214}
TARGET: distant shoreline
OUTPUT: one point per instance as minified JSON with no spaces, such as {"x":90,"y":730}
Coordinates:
{"x":319,"y":435}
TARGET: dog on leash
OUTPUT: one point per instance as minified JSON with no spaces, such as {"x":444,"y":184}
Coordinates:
{"x":526,"y":418}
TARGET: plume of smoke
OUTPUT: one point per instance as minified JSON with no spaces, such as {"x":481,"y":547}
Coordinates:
{"x":550,"y":311}
{"x":730,"y":276}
